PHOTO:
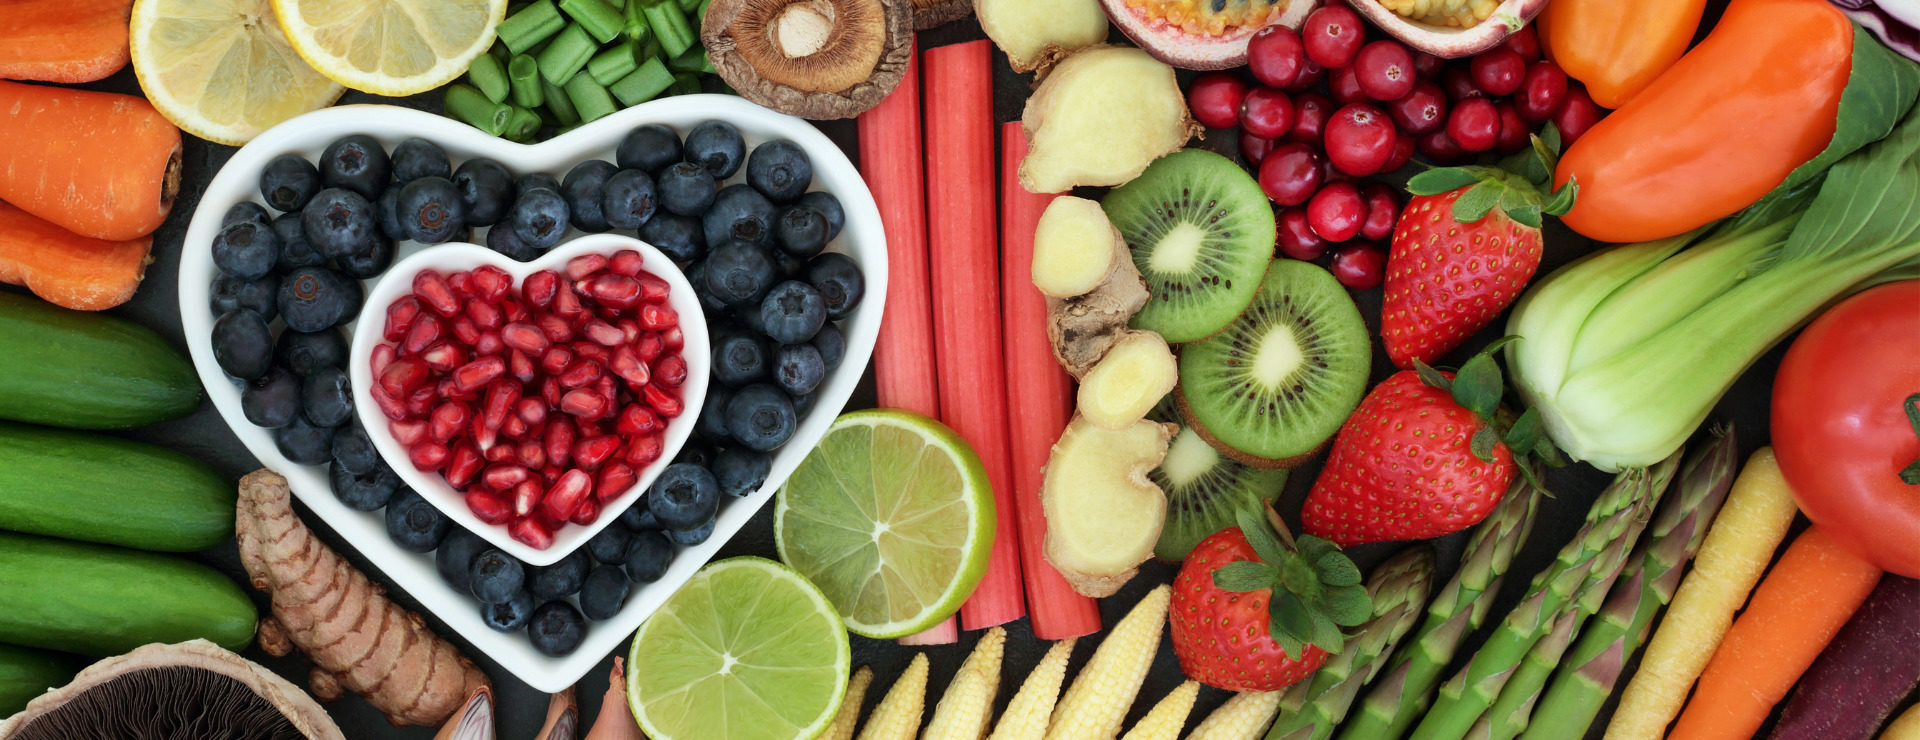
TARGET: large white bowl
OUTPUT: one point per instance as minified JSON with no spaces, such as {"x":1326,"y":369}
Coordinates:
{"x":862,"y":239}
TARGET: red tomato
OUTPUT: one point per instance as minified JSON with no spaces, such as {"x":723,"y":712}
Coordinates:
{"x":1840,"y":428}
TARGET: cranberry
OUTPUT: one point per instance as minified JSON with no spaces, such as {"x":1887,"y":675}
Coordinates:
{"x":1427,"y":66}
{"x":1310,"y":113}
{"x":1359,"y":140}
{"x":1385,"y":69}
{"x":1345,"y":86}
{"x":1458,"y":82}
{"x":1276,"y":56}
{"x":1310,"y":76}
{"x":1297,"y":239}
{"x":1439,"y":148}
{"x":1336,"y":212}
{"x":1525,"y":42}
{"x":1421,"y":110}
{"x":1332,"y":35}
{"x":1402,"y":153}
{"x":1214,"y":99}
{"x":1383,"y":211}
{"x":1542,"y":93}
{"x":1266,"y":112}
{"x":1498,"y":71}
{"x":1254,"y":149}
{"x":1576,"y":116}
{"x":1474,"y":124}
{"x":1360,"y":266}
{"x":1292,"y":173}
{"x":1514,"y":134}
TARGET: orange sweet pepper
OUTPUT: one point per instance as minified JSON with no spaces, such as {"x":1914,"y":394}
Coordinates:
{"x":1720,"y":129}
{"x":1618,"y":47}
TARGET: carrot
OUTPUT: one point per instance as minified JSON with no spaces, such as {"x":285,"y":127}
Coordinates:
{"x":99,"y":164}
{"x":966,"y":299}
{"x":1808,"y":596}
{"x":1906,"y":727}
{"x":1043,"y":395}
{"x":63,"y":40}
{"x":66,"y":269}
{"x":1864,"y":673}
{"x":1738,"y":547}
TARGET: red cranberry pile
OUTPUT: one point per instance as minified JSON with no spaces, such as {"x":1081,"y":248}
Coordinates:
{"x":1381,"y":104}
{"x":543,"y":404}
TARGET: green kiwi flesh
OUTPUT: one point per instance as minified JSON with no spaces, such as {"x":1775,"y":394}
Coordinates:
{"x":1277,"y":383}
{"x":1205,"y":490}
{"x":1201,"y":232}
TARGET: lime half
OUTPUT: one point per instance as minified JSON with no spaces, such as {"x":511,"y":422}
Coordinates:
{"x":891,"y":515}
{"x":746,"y":650}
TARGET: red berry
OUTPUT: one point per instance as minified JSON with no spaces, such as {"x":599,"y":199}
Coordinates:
{"x":1474,"y":124}
{"x":1336,"y":212}
{"x":1292,"y":173}
{"x":1310,"y":76}
{"x":1498,"y":71}
{"x":1252,"y":148}
{"x":1577,"y":115}
{"x":1214,"y":99}
{"x":1360,"y":266}
{"x":1439,"y":148}
{"x":1543,"y":92}
{"x":1385,"y":70}
{"x":1422,"y":110}
{"x":1458,"y":83}
{"x":1333,"y":35}
{"x":1402,"y":153}
{"x":1266,"y":112}
{"x":1524,"y":42}
{"x":1427,"y":66}
{"x":1514,"y":133}
{"x":1344,"y":83}
{"x":1310,"y":113}
{"x":1276,"y":56}
{"x":1383,"y":211}
{"x":1297,"y":239}
{"x":1359,"y":140}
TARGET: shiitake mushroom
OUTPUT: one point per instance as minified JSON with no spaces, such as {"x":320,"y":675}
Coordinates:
{"x":194,"y":689}
{"x":930,"y":13}
{"x":816,"y":59}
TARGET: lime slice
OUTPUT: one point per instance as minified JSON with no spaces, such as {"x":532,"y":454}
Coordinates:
{"x":746,"y":650}
{"x":390,"y":47}
{"x":892,"y":516}
{"x":221,"y":69}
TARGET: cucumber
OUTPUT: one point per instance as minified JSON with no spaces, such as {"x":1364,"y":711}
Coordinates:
{"x":26,"y":673}
{"x":93,"y":487}
{"x":99,"y":601}
{"x":85,"y":370}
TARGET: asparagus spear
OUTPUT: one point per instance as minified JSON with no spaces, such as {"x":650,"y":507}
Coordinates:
{"x":1590,"y":672}
{"x":1404,"y":689}
{"x":1312,"y":708}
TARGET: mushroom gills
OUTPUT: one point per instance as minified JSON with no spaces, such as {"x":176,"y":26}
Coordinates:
{"x":812,"y":45}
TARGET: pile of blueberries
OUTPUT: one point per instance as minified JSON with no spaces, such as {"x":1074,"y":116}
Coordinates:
{"x":754,"y":252}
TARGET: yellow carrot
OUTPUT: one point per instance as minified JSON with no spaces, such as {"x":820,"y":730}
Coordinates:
{"x":849,"y":715}
{"x":1165,"y":720}
{"x":1907,"y":727}
{"x":1098,"y":701}
{"x":1245,"y":716}
{"x":898,"y":716}
{"x":1031,"y":708}
{"x":967,"y":707}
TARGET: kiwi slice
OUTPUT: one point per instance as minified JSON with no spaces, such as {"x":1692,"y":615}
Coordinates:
{"x":1271,"y":388}
{"x":1201,"y":233}
{"x":1205,"y":490}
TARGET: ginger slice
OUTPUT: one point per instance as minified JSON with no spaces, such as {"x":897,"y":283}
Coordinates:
{"x":1103,"y":513}
{"x":1076,"y":249}
{"x":1136,"y":373}
{"x":1100,"y":117}
{"x":1037,"y":33}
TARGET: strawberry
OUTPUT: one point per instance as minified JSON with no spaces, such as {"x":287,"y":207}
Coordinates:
{"x":1254,"y":611}
{"x":1467,"y":243}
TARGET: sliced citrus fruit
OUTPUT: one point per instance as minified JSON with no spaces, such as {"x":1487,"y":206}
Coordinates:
{"x":746,"y":650}
{"x":891,"y":515}
{"x":221,"y":69}
{"x":390,"y":47}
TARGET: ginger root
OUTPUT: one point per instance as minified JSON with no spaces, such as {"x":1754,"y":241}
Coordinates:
{"x":1081,"y":263}
{"x":1103,"y":513}
{"x":1100,"y":117}
{"x":1136,"y":373}
{"x":1037,"y":33}
{"x":357,"y":638}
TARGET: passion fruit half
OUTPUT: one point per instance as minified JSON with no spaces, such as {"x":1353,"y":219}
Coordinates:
{"x":1202,"y":34}
{"x":815,"y":59}
{"x":1450,"y":28}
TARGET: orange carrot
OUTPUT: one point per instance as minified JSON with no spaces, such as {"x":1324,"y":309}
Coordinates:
{"x":63,"y":40}
{"x":66,"y":269}
{"x":1803,"y":602}
{"x":98,"y":164}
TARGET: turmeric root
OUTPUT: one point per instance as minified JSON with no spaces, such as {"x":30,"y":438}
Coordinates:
{"x":357,"y":638}
{"x":615,"y":721}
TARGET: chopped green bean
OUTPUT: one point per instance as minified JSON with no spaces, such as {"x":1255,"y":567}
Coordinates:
{"x":530,"y":26}
{"x":524,"y":73}
{"x":695,"y":60}
{"x":589,"y":98}
{"x":614,"y":62}
{"x":669,"y":26}
{"x":559,"y":104}
{"x":601,"y":22}
{"x":637,"y":29}
{"x":522,"y":124}
{"x":467,"y":104}
{"x":487,"y":76}
{"x":651,"y":79}
{"x":684,"y":84}
{"x":501,"y":52}
{"x":568,"y":53}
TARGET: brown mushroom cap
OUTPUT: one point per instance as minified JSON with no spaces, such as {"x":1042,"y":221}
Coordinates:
{"x":930,"y":13}
{"x":773,"y":52}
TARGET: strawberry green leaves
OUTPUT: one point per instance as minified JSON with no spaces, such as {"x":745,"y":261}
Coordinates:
{"x":1478,"y":387}
{"x":1315,"y":588}
{"x":1521,"y":186}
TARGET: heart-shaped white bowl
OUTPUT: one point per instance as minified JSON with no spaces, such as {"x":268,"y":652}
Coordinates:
{"x":458,"y":257}
{"x":862,"y":239}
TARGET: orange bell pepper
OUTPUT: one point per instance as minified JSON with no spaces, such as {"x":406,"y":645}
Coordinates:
{"x":1618,"y":47}
{"x":1720,"y":129}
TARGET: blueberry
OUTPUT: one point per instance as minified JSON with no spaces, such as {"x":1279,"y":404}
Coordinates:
{"x":245,"y":210}
{"x":629,"y":199}
{"x":637,"y":517}
{"x":793,"y":312}
{"x":801,"y":231}
{"x":295,"y":251}
{"x":486,"y":189}
{"x":649,"y":556}
{"x":288,"y":181}
{"x":356,"y":162}
{"x":246,"y":250}
{"x":604,"y":592}
{"x":338,"y":222}
{"x":386,"y":215}
{"x":610,"y":545}
{"x":780,"y":170}
{"x":495,"y":576}
{"x":454,"y":559}
{"x":304,"y":443}
{"x":315,"y":298}
{"x":583,"y":188}
{"x":798,"y":368}
{"x":787,"y":266}
{"x":231,"y":293}
{"x":694,"y":452}
{"x":741,"y":471}
{"x":242,"y":345}
{"x":713,"y":413}
{"x":739,"y":212}
{"x":840,"y":282}
{"x":697,"y":277}
{"x":510,"y":615}
{"x":561,"y":579}
{"x":650,"y":147}
{"x":832,"y":345}
{"x":539,"y":218}
{"x":354,"y":452}
{"x":416,"y":158}
{"x":829,"y":206}
{"x":369,"y":262}
{"x":535,"y":181}
{"x":501,"y":239}
{"x":739,"y":359}
{"x":556,"y":629}
{"x":684,"y":496}
{"x":717,"y":146}
{"x":363,"y":491}
{"x":687,"y":189}
{"x":327,"y":397}
{"x":761,"y":417}
{"x":803,"y":404}
{"x":679,"y":237}
{"x":414,"y":524}
{"x":430,"y":210}
{"x":271,"y":400}
{"x":739,"y":273}
{"x":691,"y":537}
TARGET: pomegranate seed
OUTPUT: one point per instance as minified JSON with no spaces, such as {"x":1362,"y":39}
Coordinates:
{"x":567,"y":303}
{"x":423,"y":333}
{"x":541,"y":287}
{"x":614,"y":479}
{"x":383,"y":355}
{"x":503,"y":477}
{"x":485,"y":436}
{"x":463,"y":466}
{"x":554,"y":327}
{"x":648,"y":346}
{"x":672,"y":339}
{"x":591,"y":351}
{"x":586,"y":513}
{"x":579,"y":374}
{"x":524,"y":337}
{"x":550,"y":391}
{"x":490,"y":507}
{"x":489,"y":343}
{"x":501,"y":396}
{"x":636,"y":420}
{"x":500,"y":453}
{"x":601,"y":332}
{"x":511,"y":310}
{"x":428,"y":456}
{"x":407,"y":432}
{"x":449,"y":418}
{"x":567,"y":493}
{"x":551,"y":474}
{"x":484,"y":315}
{"x":604,"y":387}
{"x":526,"y":496}
{"x":629,"y":330}
{"x":461,"y":283}
{"x":531,"y":533}
{"x":514,"y":427}
{"x":670,"y":371}
{"x":465,"y":331}
{"x":626,"y":262}
{"x":662,"y":401}
{"x":532,"y":453}
{"x":477,"y":374}
{"x":435,"y":293}
{"x":579,"y":268}
{"x":556,"y":360}
{"x":443,"y":357}
{"x":626,"y":364}
{"x":400,"y":316}
{"x":531,"y":411}
{"x":559,"y":442}
{"x":652,"y":288}
{"x":644,"y":449}
{"x":391,"y":407}
{"x":402,"y":376}
{"x":420,"y":401}
{"x":490,"y":283}
{"x":658,"y":317}
{"x":614,"y":291}
{"x":520,"y":366}
{"x":583,"y":402}
{"x":590,"y":452}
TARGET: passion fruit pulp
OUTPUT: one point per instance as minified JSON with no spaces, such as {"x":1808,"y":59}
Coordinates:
{"x":1202,"y":34}
{"x":1450,"y":29}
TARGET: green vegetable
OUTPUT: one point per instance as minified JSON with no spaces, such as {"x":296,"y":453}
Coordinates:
{"x":472,"y":107}
{"x":526,"y":84}
{"x":533,"y":24}
{"x":589,"y":98}
{"x":26,"y":673}
{"x":109,"y":490}
{"x":645,"y":83}
{"x":600,"y":21}
{"x":99,"y":601}
{"x":669,"y":24}
{"x":566,"y":55}
{"x":489,"y":77}
{"x":1398,"y":589}
{"x":83,"y":370}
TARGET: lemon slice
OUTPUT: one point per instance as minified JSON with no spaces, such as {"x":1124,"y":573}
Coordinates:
{"x":220,"y":69}
{"x":390,"y":47}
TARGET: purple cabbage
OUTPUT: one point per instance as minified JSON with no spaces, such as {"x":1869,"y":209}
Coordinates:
{"x":1895,"y":22}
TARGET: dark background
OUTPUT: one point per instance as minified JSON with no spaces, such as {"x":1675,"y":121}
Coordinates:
{"x":206,"y":436}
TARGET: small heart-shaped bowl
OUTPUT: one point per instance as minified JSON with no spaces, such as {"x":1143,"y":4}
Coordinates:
{"x":447,"y":259}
